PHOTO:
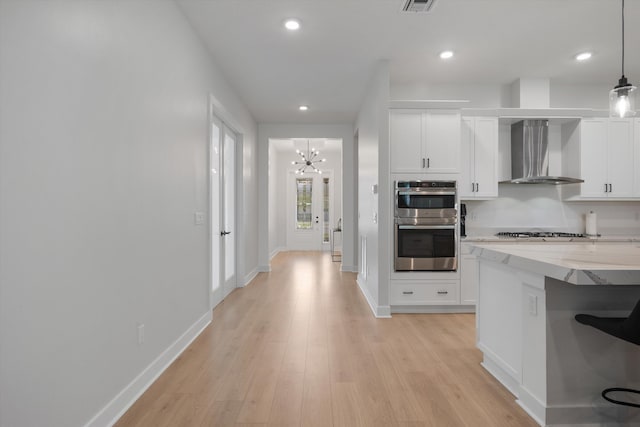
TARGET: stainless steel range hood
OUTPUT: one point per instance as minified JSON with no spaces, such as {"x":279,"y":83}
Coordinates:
{"x":530,"y":155}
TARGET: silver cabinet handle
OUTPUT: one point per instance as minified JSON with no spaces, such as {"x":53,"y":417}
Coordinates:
{"x":477,"y":187}
{"x":407,"y":292}
{"x":606,"y":188}
{"x":423,"y":163}
{"x":610,"y":188}
{"x":443,"y":292}
{"x":473,"y":187}
{"x":428,"y":163}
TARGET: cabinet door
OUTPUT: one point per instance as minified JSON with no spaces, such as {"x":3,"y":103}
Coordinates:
{"x":468,"y":279}
{"x":593,"y":157}
{"x":636,"y":147}
{"x":405,"y":128}
{"x":442,"y":141}
{"x":620,"y":157}
{"x":486,"y":156}
{"x":467,"y":172}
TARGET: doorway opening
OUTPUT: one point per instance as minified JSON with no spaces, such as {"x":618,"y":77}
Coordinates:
{"x":305,"y":204}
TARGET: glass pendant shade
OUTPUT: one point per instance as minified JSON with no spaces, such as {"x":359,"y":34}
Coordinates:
{"x":622,"y":100}
{"x":622,"y":104}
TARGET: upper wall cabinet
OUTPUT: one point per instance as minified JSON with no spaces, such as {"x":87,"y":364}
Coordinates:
{"x":479,"y":154}
{"x":424,"y":141}
{"x":601,"y":152}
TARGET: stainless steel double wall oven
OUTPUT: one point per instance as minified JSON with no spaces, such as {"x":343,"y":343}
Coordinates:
{"x":426,"y":218}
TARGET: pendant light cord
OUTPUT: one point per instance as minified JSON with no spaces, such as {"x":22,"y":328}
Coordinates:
{"x":622,"y":38}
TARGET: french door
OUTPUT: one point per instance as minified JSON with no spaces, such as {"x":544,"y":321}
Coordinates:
{"x":223,"y":237}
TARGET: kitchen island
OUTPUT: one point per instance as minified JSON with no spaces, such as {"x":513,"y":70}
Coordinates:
{"x":528,"y":296}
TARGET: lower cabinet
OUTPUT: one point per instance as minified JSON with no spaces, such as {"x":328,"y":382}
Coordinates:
{"x":425,"y":293}
{"x":469,"y":277}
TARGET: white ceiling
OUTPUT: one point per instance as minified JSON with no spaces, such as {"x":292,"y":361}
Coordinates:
{"x":321,"y":144}
{"x":327,"y":63}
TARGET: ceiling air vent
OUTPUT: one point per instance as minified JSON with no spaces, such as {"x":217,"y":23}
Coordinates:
{"x":418,"y":6}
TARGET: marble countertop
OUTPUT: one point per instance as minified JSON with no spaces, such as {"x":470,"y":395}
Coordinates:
{"x":602,"y":239}
{"x":576,"y":263}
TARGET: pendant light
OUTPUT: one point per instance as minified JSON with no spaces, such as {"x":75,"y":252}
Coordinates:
{"x":622,"y":98}
{"x":308,"y":160}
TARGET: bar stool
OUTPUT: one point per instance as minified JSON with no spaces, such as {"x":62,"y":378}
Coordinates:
{"x":625,"y":328}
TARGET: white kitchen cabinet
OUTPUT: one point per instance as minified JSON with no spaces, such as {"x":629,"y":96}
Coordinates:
{"x":469,"y":276}
{"x":636,"y":147}
{"x":604,"y":148}
{"x":479,"y":155}
{"x":424,"y":141}
{"x":425,"y":293}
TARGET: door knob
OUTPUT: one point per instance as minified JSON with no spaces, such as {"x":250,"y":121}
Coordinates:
{"x":224,"y":233}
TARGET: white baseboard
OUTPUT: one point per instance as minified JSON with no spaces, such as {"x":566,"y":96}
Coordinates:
{"x":249,"y":277}
{"x":349,"y":268}
{"x":276,"y":251}
{"x":264,"y":268}
{"x":379,"y":311}
{"x":426,"y":309}
{"x":108,"y":415}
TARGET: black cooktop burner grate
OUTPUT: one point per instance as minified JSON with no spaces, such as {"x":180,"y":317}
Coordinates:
{"x":525,"y":234}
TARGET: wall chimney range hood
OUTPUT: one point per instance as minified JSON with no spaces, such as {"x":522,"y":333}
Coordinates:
{"x":530,"y":154}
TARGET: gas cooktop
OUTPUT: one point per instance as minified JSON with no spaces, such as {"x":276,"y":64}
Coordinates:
{"x":538,"y":234}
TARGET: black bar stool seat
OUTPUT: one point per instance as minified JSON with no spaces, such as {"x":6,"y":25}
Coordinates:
{"x":625,"y":328}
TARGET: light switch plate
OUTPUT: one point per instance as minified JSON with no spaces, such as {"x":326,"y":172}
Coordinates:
{"x":198,"y":218}
{"x":533,"y":305}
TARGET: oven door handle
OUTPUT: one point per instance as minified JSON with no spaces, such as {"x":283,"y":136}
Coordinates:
{"x":426,"y":227}
{"x":427,"y":193}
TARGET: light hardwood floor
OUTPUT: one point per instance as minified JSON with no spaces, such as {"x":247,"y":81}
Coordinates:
{"x":300,"y":347}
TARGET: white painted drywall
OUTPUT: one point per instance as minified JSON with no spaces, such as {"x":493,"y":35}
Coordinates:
{"x":268,"y":131}
{"x":103,"y":162}
{"x":373,"y":171}
{"x":561,"y":95}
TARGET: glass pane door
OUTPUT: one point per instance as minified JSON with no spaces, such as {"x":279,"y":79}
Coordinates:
{"x":229,"y":171}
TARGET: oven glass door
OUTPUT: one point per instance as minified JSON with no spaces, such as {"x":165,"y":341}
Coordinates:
{"x":425,"y":248}
{"x":419,"y":200}
{"x":420,"y":204}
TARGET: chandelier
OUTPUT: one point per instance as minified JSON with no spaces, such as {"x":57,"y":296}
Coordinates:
{"x":308,"y":160}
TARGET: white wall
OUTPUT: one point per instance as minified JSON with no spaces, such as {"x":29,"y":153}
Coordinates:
{"x":103,"y":162}
{"x":373,"y":169}
{"x":268,"y":131}
{"x":493,"y":96}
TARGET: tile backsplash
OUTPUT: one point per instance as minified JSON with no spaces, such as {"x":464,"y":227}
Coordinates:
{"x":540,"y":207}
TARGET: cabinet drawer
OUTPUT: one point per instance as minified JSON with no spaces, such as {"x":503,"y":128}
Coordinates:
{"x":420,"y":293}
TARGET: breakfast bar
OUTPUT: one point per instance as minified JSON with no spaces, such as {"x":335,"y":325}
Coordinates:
{"x":528,"y":297}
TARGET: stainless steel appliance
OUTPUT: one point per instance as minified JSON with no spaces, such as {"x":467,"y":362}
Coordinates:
{"x":543,"y":236}
{"x":530,"y":155}
{"x":426,"y":220}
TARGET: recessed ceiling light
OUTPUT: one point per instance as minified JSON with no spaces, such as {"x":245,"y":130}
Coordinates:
{"x":292,"y":24}
{"x":446,"y":54}
{"x":583,"y":56}
{"x":303,"y":108}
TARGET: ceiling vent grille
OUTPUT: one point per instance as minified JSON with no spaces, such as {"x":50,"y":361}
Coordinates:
{"x":418,"y":6}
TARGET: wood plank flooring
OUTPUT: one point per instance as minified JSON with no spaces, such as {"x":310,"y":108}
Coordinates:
{"x":300,"y":347}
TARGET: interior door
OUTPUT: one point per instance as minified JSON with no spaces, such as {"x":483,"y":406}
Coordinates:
{"x":222,"y":209}
{"x":310,"y":211}
{"x":229,"y":210}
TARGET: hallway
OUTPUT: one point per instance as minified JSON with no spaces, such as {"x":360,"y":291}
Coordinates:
{"x":300,"y":347}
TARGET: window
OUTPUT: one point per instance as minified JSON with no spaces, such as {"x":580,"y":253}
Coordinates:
{"x":304,"y":187}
